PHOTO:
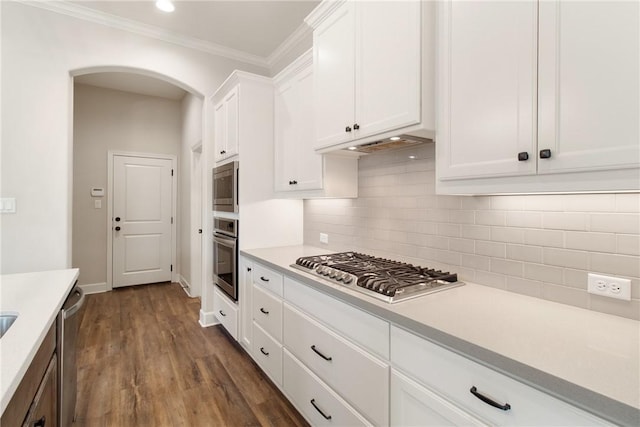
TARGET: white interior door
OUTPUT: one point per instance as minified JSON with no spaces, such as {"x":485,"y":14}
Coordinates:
{"x":196,"y":222}
{"x":142,"y":210}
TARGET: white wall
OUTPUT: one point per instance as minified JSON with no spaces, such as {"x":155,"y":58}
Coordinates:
{"x":104,"y":120}
{"x":191,"y":135}
{"x":39,"y":51}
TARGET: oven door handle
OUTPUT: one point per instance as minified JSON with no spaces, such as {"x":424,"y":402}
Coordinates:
{"x":219,"y":238}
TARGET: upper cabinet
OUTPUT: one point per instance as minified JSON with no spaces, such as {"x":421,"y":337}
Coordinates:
{"x":226,"y":125}
{"x":299,"y":170}
{"x":538,"y":97}
{"x":373,"y":70}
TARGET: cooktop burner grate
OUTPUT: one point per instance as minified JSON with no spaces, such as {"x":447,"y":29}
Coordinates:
{"x":385,"y":279}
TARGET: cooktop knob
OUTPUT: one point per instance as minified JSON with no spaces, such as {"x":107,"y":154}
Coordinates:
{"x":348,"y":279}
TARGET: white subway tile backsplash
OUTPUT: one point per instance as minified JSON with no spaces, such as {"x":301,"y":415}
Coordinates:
{"x":621,"y":265}
{"x":565,"y":220}
{"x":550,"y":238}
{"x":543,"y":273}
{"x":565,"y":258}
{"x":628,"y":244}
{"x":595,"y":242}
{"x":507,"y":234}
{"x":492,"y":249}
{"x":589,"y":202}
{"x":524,"y":219}
{"x":525,"y":253}
{"x":628,"y":202}
{"x":490,"y":218}
{"x":507,"y":267}
{"x":616,"y":223}
{"x":538,"y":245}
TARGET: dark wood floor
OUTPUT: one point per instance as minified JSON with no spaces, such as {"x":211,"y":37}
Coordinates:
{"x":143,"y":360}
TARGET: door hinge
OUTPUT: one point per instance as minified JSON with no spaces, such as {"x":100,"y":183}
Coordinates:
{"x":171,"y":267}
{"x":171,"y":220}
{"x":171,"y":172}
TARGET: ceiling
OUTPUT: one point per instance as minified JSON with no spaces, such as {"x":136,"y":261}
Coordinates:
{"x":255,"y":28}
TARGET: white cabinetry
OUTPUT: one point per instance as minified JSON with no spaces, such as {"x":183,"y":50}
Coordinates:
{"x":298,"y":168}
{"x":544,"y":93}
{"x":226,"y":311}
{"x":370,"y":62}
{"x":226,"y":125}
{"x":245,"y":290}
{"x":454,"y":379}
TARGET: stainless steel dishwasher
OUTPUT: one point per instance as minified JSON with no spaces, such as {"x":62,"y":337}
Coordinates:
{"x":68,"y":324}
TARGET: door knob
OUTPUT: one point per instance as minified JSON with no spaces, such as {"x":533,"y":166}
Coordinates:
{"x":117,"y":219}
{"x":523,"y":156}
{"x":356,"y":126}
{"x":347,"y":129}
{"x":199,"y":230}
{"x":118,"y":228}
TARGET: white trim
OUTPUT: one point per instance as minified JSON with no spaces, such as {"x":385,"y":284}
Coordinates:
{"x":303,"y":61}
{"x":208,"y":319}
{"x":113,"y":21}
{"x":288,"y":44}
{"x":322,"y":12}
{"x":174,"y":202}
{"x":185,"y":285}
{"x":94,"y":288}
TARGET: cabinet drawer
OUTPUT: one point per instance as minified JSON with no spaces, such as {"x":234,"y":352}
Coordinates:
{"x":358,"y":377}
{"x":267,"y":312}
{"x":226,"y":312}
{"x":268,"y":353}
{"x":267,"y":278}
{"x":452,"y":376}
{"x":317,"y":402}
{"x":363,"y":328}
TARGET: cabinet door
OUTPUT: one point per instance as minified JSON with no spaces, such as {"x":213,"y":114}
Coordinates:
{"x":219,"y":139}
{"x":487,"y":87}
{"x":589,"y":88}
{"x":231,"y":106}
{"x":414,"y":405}
{"x":334,"y":70}
{"x":387,"y":66}
{"x":285,"y":100}
{"x":308,"y":164}
{"x":44,"y":409}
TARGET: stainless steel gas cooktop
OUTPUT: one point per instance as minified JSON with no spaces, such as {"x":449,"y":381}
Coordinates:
{"x":384,"y":279}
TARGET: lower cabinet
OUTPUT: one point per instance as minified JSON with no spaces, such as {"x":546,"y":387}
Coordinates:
{"x":226,"y":312}
{"x":319,"y":404}
{"x":267,"y":352}
{"x":44,"y":409}
{"x":415,"y":405}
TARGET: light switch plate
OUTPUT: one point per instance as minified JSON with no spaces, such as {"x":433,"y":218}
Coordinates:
{"x":8,"y":205}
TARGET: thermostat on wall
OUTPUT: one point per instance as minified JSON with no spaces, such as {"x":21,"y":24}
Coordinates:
{"x":97,"y":192}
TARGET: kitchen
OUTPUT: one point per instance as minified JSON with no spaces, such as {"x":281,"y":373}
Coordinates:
{"x":539,"y":245}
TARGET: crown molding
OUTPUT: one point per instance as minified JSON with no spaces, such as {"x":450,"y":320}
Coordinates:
{"x":299,"y":64}
{"x":322,"y":12}
{"x":106,"y":19}
{"x":289,"y":44}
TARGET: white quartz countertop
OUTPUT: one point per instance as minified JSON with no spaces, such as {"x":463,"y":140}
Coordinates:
{"x":586,"y":358}
{"x":36,"y":298}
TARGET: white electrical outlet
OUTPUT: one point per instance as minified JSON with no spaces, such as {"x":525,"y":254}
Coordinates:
{"x":607,"y":286}
{"x":324,"y":238}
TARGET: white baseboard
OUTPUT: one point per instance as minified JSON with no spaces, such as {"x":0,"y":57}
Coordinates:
{"x":94,"y":288}
{"x":208,"y":319}
{"x":186,"y":287}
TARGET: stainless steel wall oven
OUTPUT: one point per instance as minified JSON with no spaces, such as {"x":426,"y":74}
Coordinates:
{"x":225,"y":256}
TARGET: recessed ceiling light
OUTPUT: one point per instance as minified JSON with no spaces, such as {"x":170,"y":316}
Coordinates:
{"x":165,"y":5}
{"x":412,"y":157}
{"x":352,"y":148}
{"x":395,"y":138}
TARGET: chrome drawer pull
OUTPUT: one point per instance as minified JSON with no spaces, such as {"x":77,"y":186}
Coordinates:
{"x":266,"y":353}
{"x":326,"y":417}
{"x":488,"y":400}
{"x":313,"y":347}
{"x":263,"y":311}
